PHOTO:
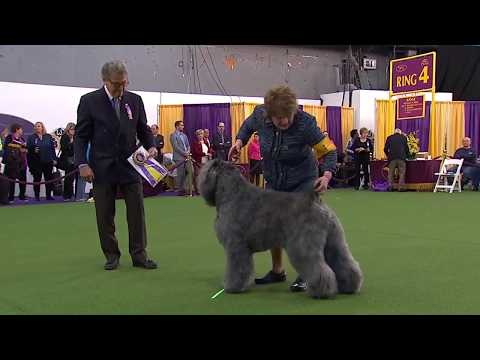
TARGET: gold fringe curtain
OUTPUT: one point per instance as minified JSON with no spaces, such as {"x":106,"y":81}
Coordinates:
{"x":168,"y":114}
{"x":384,"y":125}
{"x":347,"y":125}
{"x":238,"y":113}
{"x":449,"y":128}
{"x":456,"y":127}
{"x":438,"y":128}
{"x":320,"y":113}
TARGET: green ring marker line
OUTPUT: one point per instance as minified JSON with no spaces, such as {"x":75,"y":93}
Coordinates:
{"x":218,"y":293}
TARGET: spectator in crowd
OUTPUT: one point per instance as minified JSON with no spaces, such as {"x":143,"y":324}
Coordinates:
{"x":363,"y":149}
{"x":396,"y":150}
{"x":206,"y":140}
{"x":221,"y":142}
{"x":470,"y":167}
{"x":200,"y":149}
{"x":288,"y":136}
{"x":80,"y":194}
{"x":350,"y":153}
{"x":181,"y":151}
{"x":15,"y":160}
{"x":255,"y":160}
{"x":200,"y":154}
{"x":41,"y":158}
{"x":66,"y":162}
{"x":3,"y":135}
{"x":158,"y":142}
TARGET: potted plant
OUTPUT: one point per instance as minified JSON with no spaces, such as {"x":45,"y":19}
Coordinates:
{"x":413,"y":144}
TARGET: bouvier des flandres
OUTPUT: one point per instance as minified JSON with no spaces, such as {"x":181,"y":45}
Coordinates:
{"x":251,"y":220}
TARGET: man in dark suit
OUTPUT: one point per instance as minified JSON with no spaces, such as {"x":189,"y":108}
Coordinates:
{"x":158,"y":142}
{"x":111,"y":119}
{"x":221,"y":142}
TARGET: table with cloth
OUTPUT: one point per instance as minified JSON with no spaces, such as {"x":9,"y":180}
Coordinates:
{"x":419,"y":175}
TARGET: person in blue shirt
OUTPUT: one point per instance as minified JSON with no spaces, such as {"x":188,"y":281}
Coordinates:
{"x":41,"y":158}
{"x":290,"y":144}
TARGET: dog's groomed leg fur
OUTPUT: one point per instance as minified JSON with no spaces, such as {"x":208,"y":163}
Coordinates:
{"x":239,"y":274}
{"x":311,"y":266}
{"x":338,"y":256}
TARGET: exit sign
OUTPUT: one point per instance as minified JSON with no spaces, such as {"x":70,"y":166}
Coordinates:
{"x":370,"y":64}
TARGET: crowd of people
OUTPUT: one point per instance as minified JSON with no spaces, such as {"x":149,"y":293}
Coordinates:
{"x":38,"y":154}
{"x":41,"y":155}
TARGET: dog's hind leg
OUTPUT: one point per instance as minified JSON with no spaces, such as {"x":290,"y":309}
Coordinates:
{"x":338,"y":256}
{"x":239,"y":274}
{"x":312,"y":267}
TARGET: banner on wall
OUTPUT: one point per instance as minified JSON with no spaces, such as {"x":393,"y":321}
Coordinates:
{"x":413,"y":74}
{"x":411,"y":107}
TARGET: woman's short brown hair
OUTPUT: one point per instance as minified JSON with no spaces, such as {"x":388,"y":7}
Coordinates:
{"x":363,"y":130}
{"x":281,"y":101}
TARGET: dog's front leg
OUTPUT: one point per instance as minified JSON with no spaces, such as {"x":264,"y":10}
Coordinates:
{"x":239,"y":272}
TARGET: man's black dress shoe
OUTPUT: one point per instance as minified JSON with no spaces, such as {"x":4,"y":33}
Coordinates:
{"x":147,"y":264}
{"x":112,"y":264}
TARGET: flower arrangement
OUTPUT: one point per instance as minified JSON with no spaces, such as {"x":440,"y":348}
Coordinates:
{"x":413,"y":144}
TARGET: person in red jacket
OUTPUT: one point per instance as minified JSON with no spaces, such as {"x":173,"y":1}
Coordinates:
{"x":255,"y":160}
{"x":200,"y":153}
{"x":206,"y":140}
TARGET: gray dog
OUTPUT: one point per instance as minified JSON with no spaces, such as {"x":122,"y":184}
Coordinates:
{"x":251,"y":220}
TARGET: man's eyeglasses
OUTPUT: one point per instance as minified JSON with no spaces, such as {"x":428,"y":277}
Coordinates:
{"x":118,"y":83}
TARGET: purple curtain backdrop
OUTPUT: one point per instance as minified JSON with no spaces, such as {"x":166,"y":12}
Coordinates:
{"x":472,"y":123}
{"x":421,"y":125}
{"x":206,"y":116}
{"x":334,"y":126}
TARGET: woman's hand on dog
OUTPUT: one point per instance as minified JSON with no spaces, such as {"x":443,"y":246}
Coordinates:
{"x":321,"y":184}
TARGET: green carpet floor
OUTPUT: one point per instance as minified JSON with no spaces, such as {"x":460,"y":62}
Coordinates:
{"x":420,"y":253}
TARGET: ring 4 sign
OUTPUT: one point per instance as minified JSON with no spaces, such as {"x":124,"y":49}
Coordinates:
{"x":413,"y":74}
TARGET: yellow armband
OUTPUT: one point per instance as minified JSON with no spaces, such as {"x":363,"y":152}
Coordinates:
{"x":324,"y":147}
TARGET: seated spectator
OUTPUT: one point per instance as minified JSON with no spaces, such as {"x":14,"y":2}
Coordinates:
{"x":15,"y":160}
{"x":470,"y":167}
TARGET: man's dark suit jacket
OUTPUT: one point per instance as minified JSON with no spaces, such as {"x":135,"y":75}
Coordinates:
{"x":396,"y":147}
{"x":221,"y":151}
{"x":112,"y":139}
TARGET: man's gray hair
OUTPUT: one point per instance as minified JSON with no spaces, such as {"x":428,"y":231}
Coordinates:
{"x":113,"y":67}
{"x":398,"y":131}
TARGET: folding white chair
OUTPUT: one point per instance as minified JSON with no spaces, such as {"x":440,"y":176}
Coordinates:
{"x":447,"y":171}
